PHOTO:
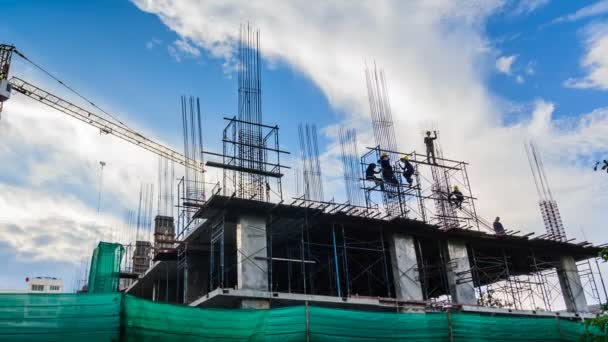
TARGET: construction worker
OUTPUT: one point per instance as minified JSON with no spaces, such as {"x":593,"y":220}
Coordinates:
{"x":430,"y":146}
{"x":604,"y":167}
{"x":456,"y":197}
{"x":498,"y":228}
{"x":370,"y":174}
{"x":387,"y":169}
{"x":408,"y":169}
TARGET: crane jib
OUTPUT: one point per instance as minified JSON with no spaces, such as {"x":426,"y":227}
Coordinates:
{"x":102,"y":124}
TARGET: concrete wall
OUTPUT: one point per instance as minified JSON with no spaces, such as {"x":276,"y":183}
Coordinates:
{"x":405,"y":267}
{"x":252,"y":273}
{"x":572,"y":288}
{"x":198,"y":276}
{"x":459,"y":273}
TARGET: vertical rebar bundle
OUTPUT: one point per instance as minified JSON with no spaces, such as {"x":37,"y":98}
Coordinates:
{"x":350,"y":164}
{"x":380,"y":109}
{"x":384,"y":134}
{"x":166,"y":175}
{"x":250,"y":140}
{"x":311,"y":168}
{"x":193,"y":147}
{"x":548,"y":206}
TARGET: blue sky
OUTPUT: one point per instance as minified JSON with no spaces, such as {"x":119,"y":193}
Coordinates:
{"x":441,"y":68}
{"x":100,"y":49}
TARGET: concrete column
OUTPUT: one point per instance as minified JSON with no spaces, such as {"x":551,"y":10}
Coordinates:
{"x":459,"y":274}
{"x":572,"y":288}
{"x":405,"y":267}
{"x":252,"y":273}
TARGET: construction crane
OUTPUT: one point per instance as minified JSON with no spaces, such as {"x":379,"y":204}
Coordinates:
{"x":105,"y":126}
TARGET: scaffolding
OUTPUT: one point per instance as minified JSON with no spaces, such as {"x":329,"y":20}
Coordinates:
{"x":268,"y":172}
{"x":432,"y":183}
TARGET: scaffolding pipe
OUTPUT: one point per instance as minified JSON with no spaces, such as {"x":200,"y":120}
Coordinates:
{"x":333,"y":232}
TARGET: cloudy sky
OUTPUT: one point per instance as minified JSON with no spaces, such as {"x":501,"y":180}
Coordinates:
{"x":487,"y":74}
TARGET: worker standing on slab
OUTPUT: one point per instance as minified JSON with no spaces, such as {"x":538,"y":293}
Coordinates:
{"x":498,"y":228}
{"x":430,"y":146}
{"x":387,"y":169}
{"x":408,"y":169}
{"x":456,"y":197}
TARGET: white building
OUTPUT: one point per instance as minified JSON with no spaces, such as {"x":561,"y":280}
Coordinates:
{"x":44,"y":285}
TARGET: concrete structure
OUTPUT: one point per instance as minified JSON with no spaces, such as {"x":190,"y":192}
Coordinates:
{"x":460,"y":277}
{"x":406,"y":276}
{"x":44,"y":285}
{"x":164,"y":233}
{"x":252,"y":254}
{"x":570,"y":282}
{"x":141,"y":256}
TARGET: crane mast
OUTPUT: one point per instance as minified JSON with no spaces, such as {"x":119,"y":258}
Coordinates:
{"x":105,"y":126}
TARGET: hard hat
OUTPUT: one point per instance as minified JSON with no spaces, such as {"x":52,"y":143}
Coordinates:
{"x":405,"y":157}
{"x":455,"y":187}
{"x":384,"y":154}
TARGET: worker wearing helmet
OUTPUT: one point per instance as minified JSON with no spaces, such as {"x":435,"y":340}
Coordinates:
{"x":456,"y":197}
{"x":387,"y":169}
{"x":408,"y":169}
{"x":430,"y":147}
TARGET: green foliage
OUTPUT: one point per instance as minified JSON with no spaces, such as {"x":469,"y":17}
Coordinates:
{"x":604,"y":254}
{"x":600,"y":323}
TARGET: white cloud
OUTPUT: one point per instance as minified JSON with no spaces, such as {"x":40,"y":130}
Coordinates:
{"x":153,"y":43}
{"x":50,"y":168}
{"x":595,"y":61}
{"x":598,"y":8}
{"x":432,"y":53}
{"x":528,"y":6}
{"x":181,"y":48}
{"x":519,"y":79}
{"x":504,"y":63}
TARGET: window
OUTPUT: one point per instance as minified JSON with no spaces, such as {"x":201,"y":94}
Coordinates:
{"x":54,"y":287}
{"x":36,"y":287}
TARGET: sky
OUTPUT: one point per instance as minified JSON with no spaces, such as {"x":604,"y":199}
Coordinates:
{"x":487,"y":74}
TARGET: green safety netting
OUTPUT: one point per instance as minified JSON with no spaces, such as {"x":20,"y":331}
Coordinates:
{"x":149,"y":321}
{"x":116,"y":317}
{"x":60,"y":317}
{"x":328,"y":324}
{"x":105,"y":267}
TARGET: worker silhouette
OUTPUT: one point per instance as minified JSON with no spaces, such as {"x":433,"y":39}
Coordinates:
{"x":456,"y":197}
{"x":407,"y":168}
{"x":388,"y":176}
{"x":604,"y":167}
{"x":430,"y":146}
{"x":370,"y":175}
{"x":498,"y":228}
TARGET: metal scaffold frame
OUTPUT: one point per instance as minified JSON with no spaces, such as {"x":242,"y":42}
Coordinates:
{"x":268,"y":171}
{"x":431,"y":182}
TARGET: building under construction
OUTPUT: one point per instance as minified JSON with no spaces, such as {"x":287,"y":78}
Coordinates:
{"x":391,"y":245}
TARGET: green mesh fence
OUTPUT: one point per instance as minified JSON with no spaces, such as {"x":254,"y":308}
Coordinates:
{"x":60,"y":317}
{"x":148,"y":321}
{"x":114,"y":317}
{"x":105,"y":268}
{"x":349,"y":325}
